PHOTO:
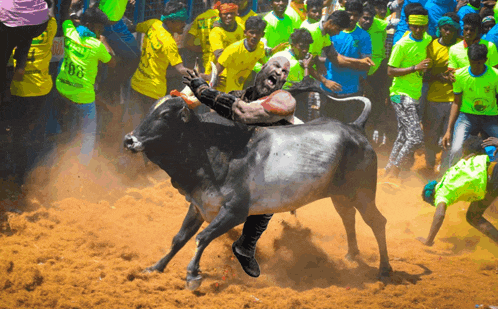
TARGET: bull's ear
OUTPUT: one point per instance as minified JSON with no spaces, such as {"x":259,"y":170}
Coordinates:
{"x":185,"y":114}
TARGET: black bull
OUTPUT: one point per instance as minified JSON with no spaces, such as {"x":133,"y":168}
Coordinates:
{"x":229,"y":171}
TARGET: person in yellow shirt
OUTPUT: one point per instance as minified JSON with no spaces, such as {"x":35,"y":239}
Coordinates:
{"x":245,"y":11}
{"x":28,"y":100}
{"x":197,"y":38}
{"x":238,"y":59}
{"x":159,"y":50}
{"x":225,"y":32}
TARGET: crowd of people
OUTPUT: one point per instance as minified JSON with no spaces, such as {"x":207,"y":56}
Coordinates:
{"x":428,"y":65}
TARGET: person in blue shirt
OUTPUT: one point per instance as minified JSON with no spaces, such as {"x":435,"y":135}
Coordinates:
{"x":436,"y":9}
{"x":353,"y":42}
{"x":403,"y":24}
{"x":472,"y":7}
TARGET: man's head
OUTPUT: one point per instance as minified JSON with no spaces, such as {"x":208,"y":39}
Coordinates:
{"x":336,"y":22}
{"x":471,"y":27}
{"x":300,"y":43}
{"x":354,"y":8}
{"x":367,"y":17}
{"x":488,"y":22}
{"x":279,"y":7}
{"x":478,"y":54}
{"x":272,"y":76}
{"x":418,"y":19}
{"x":175,"y":16}
{"x":255,"y":30}
{"x":380,"y":8}
{"x":228,"y":10}
{"x":475,"y":3}
{"x":314,"y":10}
{"x":473,"y":144}
{"x":448,"y":27}
{"x":95,"y":20}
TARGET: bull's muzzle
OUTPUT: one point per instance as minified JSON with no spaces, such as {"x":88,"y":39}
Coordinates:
{"x":132,"y":143}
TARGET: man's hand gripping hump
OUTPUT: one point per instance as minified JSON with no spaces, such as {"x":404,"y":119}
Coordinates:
{"x":277,"y":106}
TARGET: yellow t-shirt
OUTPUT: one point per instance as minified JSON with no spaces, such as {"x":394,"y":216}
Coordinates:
{"x":238,"y":63}
{"x":438,"y":91}
{"x":221,"y":39}
{"x":159,"y":50}
{"x":37,"y":80}
{"x":200,"y":29}
{"x":242,"y":19}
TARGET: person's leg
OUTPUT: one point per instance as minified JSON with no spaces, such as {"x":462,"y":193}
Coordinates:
{"x":401,"y":138}
{"x":244,"y":248}
{"x":463,"y":126}
{"x":490,"y":125}
{"x":413,"y":132}
{"x":434,"y":123}
{"x":476,"y":219}
{"x":88,"y":131}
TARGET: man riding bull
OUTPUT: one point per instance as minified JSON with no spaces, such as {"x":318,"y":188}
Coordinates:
{"x":262,"y":104}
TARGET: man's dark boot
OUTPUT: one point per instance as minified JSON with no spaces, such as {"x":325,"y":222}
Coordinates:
{"x":244,"y":248}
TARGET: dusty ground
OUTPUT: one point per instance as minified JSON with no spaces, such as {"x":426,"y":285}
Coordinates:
{"x":80,"y":240}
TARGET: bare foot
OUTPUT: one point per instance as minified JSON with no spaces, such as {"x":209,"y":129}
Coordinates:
{"x":424,"y":241}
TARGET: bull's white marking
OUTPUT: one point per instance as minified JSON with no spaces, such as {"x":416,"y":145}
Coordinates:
{"x":161,"y":101}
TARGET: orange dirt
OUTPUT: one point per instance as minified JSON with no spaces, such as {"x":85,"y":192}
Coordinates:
{"x":82,"y":241}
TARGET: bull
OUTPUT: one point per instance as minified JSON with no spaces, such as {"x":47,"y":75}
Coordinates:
{"x":229,"y":171}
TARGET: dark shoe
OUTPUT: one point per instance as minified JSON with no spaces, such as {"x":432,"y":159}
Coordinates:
{"x":249,"y":264}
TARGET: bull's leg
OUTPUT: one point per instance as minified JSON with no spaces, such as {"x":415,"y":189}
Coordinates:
{"x":365,"y":203}
{"x":190,"y":226}
{"x":224,"y":221}
{"x":347,"y":213}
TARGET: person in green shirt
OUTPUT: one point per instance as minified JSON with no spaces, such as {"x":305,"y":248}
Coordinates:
{"x":473,"y":179}
{"x":75,"y":82}
{"x":474,"y":108}
{"x":406,"y":65}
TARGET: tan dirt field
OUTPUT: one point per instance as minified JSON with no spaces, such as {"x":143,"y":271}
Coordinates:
{"x":78,"y":240}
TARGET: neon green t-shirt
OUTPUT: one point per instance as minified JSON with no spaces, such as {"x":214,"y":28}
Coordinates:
{"x":76,"y":78}
{"x":406,"y":53}
{"x":464,"y":181}
{"x":296,"y":72}
{"x":458,"y":57}
{"x":114,"y":9}
{"x":37,"y":80}
{"x":238,"y":63}
{"x":478,"y":92}
{"x":294,"y":16}
{"x":378,"y":36}
{"x":159,"y":50}
{"x":320,"y":40}
{"x":277,"y":30}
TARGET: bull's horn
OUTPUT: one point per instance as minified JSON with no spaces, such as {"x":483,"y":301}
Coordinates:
{"x":214,"y":74}
{"x":196,"y":64}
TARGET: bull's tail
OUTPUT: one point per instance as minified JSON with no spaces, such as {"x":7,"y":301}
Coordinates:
{"x":362,"y":119}
{"x":311,"y":85}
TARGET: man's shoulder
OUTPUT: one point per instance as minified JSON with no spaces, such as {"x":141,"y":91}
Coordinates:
{"x":462,"y":72}
{"x":207,"y":15}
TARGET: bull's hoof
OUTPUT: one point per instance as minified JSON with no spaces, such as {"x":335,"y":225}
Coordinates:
{"x":385,"y":273}
{"x":248,"y":263}
{"x":151,"y":269}
{"x":352,"y":256}
{"x":193,"y":283}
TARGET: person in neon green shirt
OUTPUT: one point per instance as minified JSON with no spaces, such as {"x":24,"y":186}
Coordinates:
{"x":239,"y":58}
{"x":75,"y":81}
{"x":296,"y":54}
{"x":473,"y":179}
{"x":406,"y":65}
{"x":472,"y":26}
{"x":474,"y":108}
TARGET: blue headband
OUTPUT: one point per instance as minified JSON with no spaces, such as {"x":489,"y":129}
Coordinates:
{"x":446,"y":20}
{"x":181,"y":15}
{"x":428,"y":192}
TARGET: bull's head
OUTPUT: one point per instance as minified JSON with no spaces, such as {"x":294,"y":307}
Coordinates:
{"x":163,"y":124}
